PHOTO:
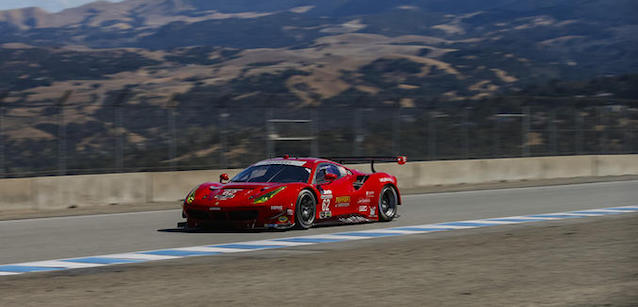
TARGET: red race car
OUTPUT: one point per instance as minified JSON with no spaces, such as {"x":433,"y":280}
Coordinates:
{"x":287,"y":192}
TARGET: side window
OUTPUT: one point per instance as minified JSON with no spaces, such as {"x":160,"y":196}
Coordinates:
{"x":325,"y":168}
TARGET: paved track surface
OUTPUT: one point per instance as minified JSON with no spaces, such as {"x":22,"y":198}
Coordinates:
{"x":576,"y":262}
{"x":64,"y":237}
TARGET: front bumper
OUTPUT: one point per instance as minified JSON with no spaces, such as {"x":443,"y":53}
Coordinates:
{"x":246,"y":217}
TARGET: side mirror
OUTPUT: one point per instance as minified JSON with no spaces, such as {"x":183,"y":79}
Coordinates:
{"x":329,"y":177}
{"x":223,"y":177}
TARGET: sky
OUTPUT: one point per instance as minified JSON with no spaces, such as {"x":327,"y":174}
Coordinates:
{"x":49,"y":5}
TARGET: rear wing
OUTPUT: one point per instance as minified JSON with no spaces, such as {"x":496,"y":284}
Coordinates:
{"x":342,"y":160}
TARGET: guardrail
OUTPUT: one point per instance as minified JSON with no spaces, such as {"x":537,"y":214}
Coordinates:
{"x":44,"y":193}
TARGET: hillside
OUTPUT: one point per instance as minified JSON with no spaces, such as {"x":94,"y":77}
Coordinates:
{"x":207,"y":54}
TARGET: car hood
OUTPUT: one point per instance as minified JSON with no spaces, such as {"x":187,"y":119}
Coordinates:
{"x":232,"y":194}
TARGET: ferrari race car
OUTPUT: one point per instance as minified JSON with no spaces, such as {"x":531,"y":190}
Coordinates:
{"x":287,"y":192}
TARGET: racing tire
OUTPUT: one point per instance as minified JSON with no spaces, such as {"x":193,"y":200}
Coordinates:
{"x":305,"y":210}
{"x":388,"y":203}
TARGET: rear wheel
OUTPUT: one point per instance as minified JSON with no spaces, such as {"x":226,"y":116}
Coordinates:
{"x":305,"y":210}
{"x":388,"y":201}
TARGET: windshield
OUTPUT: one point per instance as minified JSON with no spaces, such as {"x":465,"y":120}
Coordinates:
{"x":273,"y":173}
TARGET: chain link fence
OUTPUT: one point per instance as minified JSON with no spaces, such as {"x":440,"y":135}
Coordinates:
{"x":124,"y":135}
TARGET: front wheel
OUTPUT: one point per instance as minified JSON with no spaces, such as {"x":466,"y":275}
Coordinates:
{"x":388,"y":201}
{"x":305,"y":210}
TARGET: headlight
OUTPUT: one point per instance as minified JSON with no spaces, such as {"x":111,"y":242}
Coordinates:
{"x":264,"y":198}
{"x":191,"y":196}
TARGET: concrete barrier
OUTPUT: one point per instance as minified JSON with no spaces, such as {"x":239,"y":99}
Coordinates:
{"x":170,"y":186}
{"x":45,"y":193}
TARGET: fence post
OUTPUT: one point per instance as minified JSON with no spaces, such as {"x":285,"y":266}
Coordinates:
{"x":525,"y":130}
{"x":552,"y":132}
{"x":314,"y":150}
{"x":3,"y":168}
{"x":431,"y":136}
{"x":62,"y":133}
{"x":396,"y":130}
{"x":223,"y":115}
{"x":602,"y":146}
{"x":358,"y":134}
{"x":466,"y":133}
{"x":119,"y":133}
{"x":496,"y":143}
{"x":270,"y":131}
{"x":580,"y":131}
{"x":172,"y":150}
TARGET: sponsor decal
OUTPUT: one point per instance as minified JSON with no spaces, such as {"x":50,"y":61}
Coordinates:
{"x":386,"y":179}
{"x":353,"y":219}
{"x":369,"y":193}
{"x":325,"y":205}
{"x":363,"y":208}
{"x":290,"y":212}
{"x":326,"y":194}
{"x":373,"y":211}
{"x":325,"y":214}
{"x":276,"y":207}
{"x":227,"y":194}
{"x":284,"y":162}
{"x":364,"y":201}
{"x":214,"y":209}
{"x":341,"y":205}
{"x":283,"y":219}
{"x":342,"y":199}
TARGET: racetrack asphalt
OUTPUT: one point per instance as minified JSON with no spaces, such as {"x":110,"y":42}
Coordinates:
{"x":76,"y":236}
{"x":589,"y":261}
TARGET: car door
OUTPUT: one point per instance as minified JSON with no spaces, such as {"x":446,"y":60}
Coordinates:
{"x":336,"y":197}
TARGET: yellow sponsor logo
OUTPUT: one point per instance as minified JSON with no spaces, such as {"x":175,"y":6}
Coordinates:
{"x":283,"y":219}
{"x":342,"y":199}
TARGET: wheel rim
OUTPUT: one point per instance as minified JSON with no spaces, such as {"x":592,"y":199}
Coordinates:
{"x":388,"y":202}
{"x":306,"y":210}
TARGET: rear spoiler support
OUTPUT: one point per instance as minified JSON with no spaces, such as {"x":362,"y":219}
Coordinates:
{"x":398,"y":159}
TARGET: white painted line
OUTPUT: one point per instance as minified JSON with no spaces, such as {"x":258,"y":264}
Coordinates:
{"x":546,"y":218}
{"x":277,"y":243}
{"x":508,"y":222}
{"x":61,"y":264}
{"x":580,"y":214}
{"x":520,"y":217}
{"x":390,"y":231}
{"x":210,"y":249}
{"x":8,"y":273}
{"x":333,"y":237}
{"x":486,"y":222}
{"x":138,"y":256}
{"x":443,"y":226}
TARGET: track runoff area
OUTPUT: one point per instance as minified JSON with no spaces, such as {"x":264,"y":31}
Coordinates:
{"x":248,"y":246}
